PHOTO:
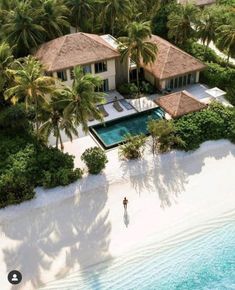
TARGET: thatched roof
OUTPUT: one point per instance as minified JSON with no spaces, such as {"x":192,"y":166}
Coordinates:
{"x":171,"y":61}
{"x":74,"y":49}
{"x":179,"y":104}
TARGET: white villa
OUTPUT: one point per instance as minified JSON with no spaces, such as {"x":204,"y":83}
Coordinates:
{"x":99,"y":55}
{"x":92,"y":52}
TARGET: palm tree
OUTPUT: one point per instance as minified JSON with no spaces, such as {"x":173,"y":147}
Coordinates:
{"x":81,"y":10}
{"x":226,"y":38}
{"x":6,"y":58}
{"x":54,"y":17}
{"x":115,"y":11}
{"x":82,"y":98}
{"x":180,"y":23}
{"x":163,"y":133}
{"x":22,"y":29}
{"x":137,"y":45}
{"x":30,"y":84}
{"x":53,"y":122}
{"x":206,"y":27}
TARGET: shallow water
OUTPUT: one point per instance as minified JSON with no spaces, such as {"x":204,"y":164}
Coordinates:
{"x":203,"y":258}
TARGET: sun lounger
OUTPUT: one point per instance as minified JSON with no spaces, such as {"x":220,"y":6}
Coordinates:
{"x":126,"y":104}
{"x":117,"y":106}
{"x":103,"y":111}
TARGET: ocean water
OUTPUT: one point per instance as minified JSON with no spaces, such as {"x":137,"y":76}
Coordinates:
{"x":204,"y":260}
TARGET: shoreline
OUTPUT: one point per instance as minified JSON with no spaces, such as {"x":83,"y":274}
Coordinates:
{"x":53,"y":196}
{"x":86,"y":225}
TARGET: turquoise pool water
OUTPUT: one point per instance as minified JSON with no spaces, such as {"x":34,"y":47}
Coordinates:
{"x":206,"y":262}
{"x":113,"y":132}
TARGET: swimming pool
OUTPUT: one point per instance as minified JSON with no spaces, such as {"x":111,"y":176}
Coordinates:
{"x":112,"y":132}
{"x":204,"y":262}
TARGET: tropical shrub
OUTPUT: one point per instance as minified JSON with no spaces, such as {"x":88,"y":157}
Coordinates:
{"x":163,"y":135}
{"x":95,"y":159}
{"x":129,"y":89}
{"x":215,"y":122}
{"x":219,"y":76}
{"x":25,"y":162}
{"x":63,"y":176}
{"x":133,"y":147}
{"x":146,"y":88}
{"x":15,"y":189}
{"x":198,"y":51}
{"x":231,"y":94}
{"x":14,"y":118}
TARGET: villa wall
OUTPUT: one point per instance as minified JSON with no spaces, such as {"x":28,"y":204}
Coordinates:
{"x":110,"y":74}
{"x":163,"y":84}
{"x":122,"y":71}
{"x":149,"y":77}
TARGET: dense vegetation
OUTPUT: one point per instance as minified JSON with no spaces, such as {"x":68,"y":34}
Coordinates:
{"x":215,"y":122}
{"x":26,"y":162}
{"x":32,"y":109}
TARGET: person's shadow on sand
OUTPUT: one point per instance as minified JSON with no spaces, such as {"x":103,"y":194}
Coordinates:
{"x":126,"y":218}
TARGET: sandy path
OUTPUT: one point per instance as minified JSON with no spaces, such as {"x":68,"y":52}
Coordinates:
{"x":47,"y":240}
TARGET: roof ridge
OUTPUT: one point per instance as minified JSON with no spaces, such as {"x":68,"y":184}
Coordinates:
{"x":168,"y":50}
{"x":58,"y":52}
{"x":177,"y":48}
{"x":179,"y":101}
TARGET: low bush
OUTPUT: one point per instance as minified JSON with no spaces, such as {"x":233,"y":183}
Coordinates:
{"x":95,"y":159}
{"x":215,"y":122}
{"x":133,"y":147}
{"x":129,"y":89}
{"x":146,"y":88}
{"x":63,"y":176}
{"x":14,"y":189}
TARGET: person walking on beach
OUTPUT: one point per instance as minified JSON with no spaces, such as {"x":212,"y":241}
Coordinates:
{"x":125,"y":202}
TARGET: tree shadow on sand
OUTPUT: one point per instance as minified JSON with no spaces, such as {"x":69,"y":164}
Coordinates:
{"x":167,"y":174}
{"x":79,"y":226}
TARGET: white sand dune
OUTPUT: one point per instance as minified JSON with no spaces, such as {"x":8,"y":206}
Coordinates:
{"x":66,"y":229}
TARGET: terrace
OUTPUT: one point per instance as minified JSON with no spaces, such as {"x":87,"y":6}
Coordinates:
{"x":200,"y":91}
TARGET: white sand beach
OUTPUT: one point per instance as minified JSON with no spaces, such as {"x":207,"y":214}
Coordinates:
{"x":67,"y":229}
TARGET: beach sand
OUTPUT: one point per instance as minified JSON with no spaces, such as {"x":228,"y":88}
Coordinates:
{"x":67,"y":229}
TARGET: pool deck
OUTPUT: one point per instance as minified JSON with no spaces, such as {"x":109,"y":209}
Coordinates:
{"x":143,"y":104}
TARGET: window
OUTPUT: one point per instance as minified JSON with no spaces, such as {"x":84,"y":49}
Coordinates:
{"x":86,"y":69}
{"x":185,"y":80}
{"x":100,"y":67}
{"x":180,"y":81}
{"x":104,"y":86}
{"x":189,"y":79}
{"x":62,"y":75}
{"x":48,"y":74}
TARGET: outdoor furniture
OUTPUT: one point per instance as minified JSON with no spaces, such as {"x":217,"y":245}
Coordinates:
{"x":103,"y":111}
{"x":125,"y":104}
{"x":117,"y":106}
